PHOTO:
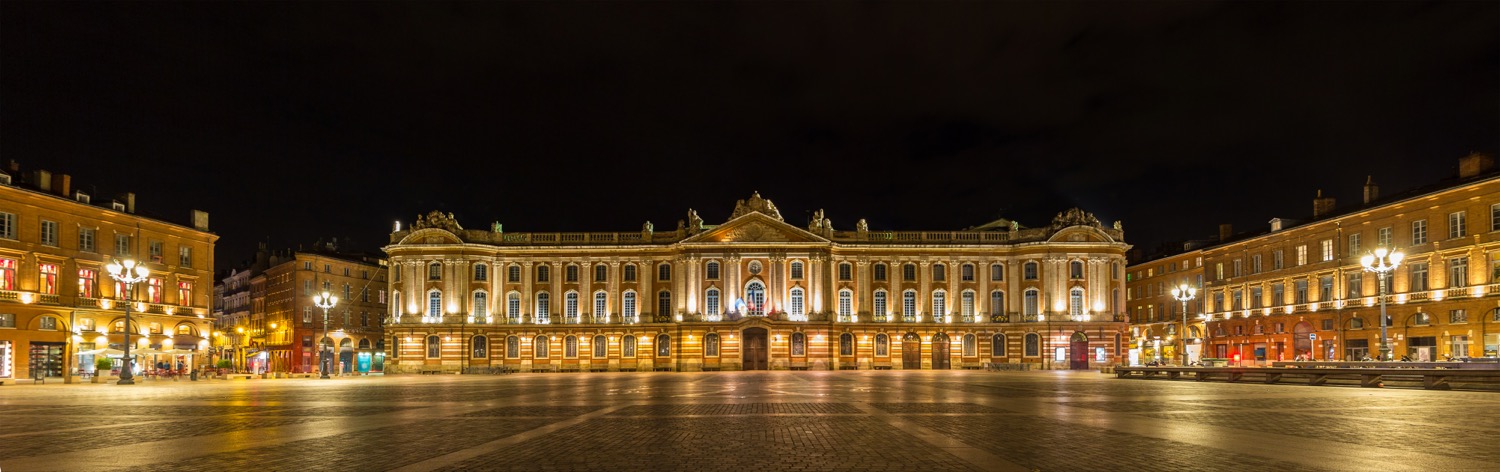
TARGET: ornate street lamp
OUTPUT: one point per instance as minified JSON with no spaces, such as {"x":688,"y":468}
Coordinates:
{"x":325,"y":301}
{"x":1382,"y":262}
{"x":128,"y":273}
{"x":1182,"y":293}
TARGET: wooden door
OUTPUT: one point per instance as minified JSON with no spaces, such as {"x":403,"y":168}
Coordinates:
{"x":940,"y":345}
{"x":1078,"y":351}
{"x":754,"y":350}
{"x":911,"y":351}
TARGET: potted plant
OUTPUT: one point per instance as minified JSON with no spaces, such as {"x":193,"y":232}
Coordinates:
{"x":102,"y":365}
{"x":224,"y":365}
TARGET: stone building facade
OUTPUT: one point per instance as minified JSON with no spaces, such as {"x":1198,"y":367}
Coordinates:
{"x":1156,"y":317}
{"x":57,"y":300}
{"x":755,"y":293}
{"x":1299,"y":290}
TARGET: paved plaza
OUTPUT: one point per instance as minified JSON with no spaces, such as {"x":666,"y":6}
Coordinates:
{"x":866,"y":420}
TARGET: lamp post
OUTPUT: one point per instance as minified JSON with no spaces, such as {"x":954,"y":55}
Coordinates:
{"x":1182,"y":293}
{"x":129,"y":273}
{"x":1382,"y":262}
{"x":325,"y":301}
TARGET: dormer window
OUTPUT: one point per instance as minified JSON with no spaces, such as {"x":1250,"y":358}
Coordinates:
{"x":81,"y":197}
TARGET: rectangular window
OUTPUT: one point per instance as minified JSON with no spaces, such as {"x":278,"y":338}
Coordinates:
{"x":997,"y":272}
{"x":306,"y":314}
{"x":1327,"y":325}
{"x":86,"y":239}
{"x":1029,"y":271}
{"x":1237,"y":268}
{"x":629,"y":273}
{"x":1325,"y":288}
{"x":846,"y":271}
{"x":513,"y":274}
{"x":601,"y":273}
{"x":1277,"y":261}
{"x":1457,"y":225}
{"x":7,"y":320}
{"x":879,"y":272}
{"x":48,"y":323}
{"x":1418,"y":232}
{"x":1327,"y":249}
{"x":184,"y":256}
{"x":153,"y":290}
{"x":1355,"y":284}
{"x":86,"y":283}
{"x":1255,"y":297}
{"x":1495,"y":217}
{"x":1278,"y":294}
{"x":1255,"y":264}
{"x":156,"y":251}
{"x":306,"y":265}
{"x":796,"y":271}
{"x":1458,"y":316}
{"x":1418,"y":277}
{"x":49,"y":233}
{"x":1383,"y":237}
{"x":966,"y":272}
{"x":48,"y":279}
{"x":571,"y":273}
{"x":1300,"y":292}
{"x":307,"y":288}
{"x":185,"y":293}
{"x":1302,"y":255}
{"x":909,"y":272}
{"x":1218,"y":271}
{"x":1458,"y":272}
{"x":1238,"y":300}
{"x":1354,"y":243}
{"x":8,"y":225}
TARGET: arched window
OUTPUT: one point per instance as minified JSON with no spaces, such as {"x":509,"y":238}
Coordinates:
{"x":755,"y":298}
{"x":664,"y":271}
{"x":543,"y":273}
{"x":939,"y":304}
{"x":513,"y":307}
{"x":481,"y":347}
{"x":627,"y":347}
{"x":601,"y":347}
{"x":1075,"y":302}
{"x":711,"y":345}
{"x":971,"y":345}
{"x":939,"y":272}
{"x":846,"y":344}
{"x":846,"y":271}
{"x":909,"y":272}
{"x":570,"y":347}
{"x":512,"y":347}
{"x":434,"y":347}
{"x":966,"y":304}
{"x":601,"y":273}
{"x":601,"y":307}
{"x":627,"y":301}
{"x":1029,"y":271}
{"x":712,"y":269}
{"x":880,"y":304}
{"x":1075,"y":270}
{"x":1031,"y":302}
{"x":966,"y":272}
{"x":435,"y":271}
{"x":1033,"y":345}
{"x":540,"y":347}
{"x":795,"y":306}
{"x":543,"y":308}
{"x":711,"y":302}
{"x":997,"y":345}
{"x":513,"y":273}
{"x":909,"y":306}
{"x":882,"y":345}
{"x":799,"y":344}
{"x":997,"y":302}
{"x":663,"y":303}
{"x":846,"y":302}
{"x":481,"y":272}
{"x":434,"y":304}
{"x":663,"y":345}
{"x":796,"y":270}
{"x":629,"y":273}
{"x":997,"y":272}
{"x":481,"y":307}
{"x":879,"y":271}
{"x":570,"y":306}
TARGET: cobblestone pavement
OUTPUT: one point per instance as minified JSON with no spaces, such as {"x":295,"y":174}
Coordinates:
{"x":886,"y":420}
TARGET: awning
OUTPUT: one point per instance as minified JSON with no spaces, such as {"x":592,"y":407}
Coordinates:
{"x":101,"y":352}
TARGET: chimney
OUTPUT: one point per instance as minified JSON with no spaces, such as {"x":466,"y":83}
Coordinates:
{"x":13,"y":166}
{"x":128,"y":199}
{"x":62,"y":183}
{"x":1372,"y":191}
{"x":1475,"y":163}
{"x":200,"y":220}
{"x":1322,"y":205}
{"x":1225,"y":230}
{"x":42,"y":179}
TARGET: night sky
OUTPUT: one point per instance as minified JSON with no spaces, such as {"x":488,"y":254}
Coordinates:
{"x":293,"y":122}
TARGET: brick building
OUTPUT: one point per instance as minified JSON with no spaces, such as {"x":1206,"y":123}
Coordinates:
{"x":756,"y":293}
{"x":58,"y":301}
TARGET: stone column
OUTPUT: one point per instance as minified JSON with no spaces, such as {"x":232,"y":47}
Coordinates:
{"x":862,"y":294}
{"x":527,"y":308}
{"x":982,"y":299}
{"x":614,"y":305}
{"x":924,"y":295}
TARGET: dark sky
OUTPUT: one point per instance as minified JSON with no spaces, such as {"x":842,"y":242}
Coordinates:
{"x":296,"y":121}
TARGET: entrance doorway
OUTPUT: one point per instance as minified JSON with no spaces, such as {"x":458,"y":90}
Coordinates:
{"x":754,"y":351}
{"x":1078,"y":351}
{"x":1302,"y":344}
{"x":47,"y":358}
{"x":940,"y":345}
{"x":911,"y":351}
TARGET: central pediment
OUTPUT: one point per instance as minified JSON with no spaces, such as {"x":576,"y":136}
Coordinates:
{"x":755,"y":227}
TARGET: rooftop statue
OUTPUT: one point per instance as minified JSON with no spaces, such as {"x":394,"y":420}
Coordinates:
{"x":755,"y":204}
{"x":436,"y":219}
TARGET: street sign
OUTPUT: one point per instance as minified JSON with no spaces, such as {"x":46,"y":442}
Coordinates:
{"x":1312,"y":336}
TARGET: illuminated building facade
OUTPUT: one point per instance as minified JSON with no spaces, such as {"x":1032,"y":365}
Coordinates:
{"x":1299,"y":290}
{"x":57,"y":300}
{"x":755,"y":293}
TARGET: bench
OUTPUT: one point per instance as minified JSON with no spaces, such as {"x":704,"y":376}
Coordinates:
{"x":1006,"y":366}
{"x":1432,"y":379}
{"x":663,"y":368}
{"x":431,"y":371}
{"x":544,"y":368}
{"x":570,"y":368}
{"x":848,"y":367}
{"x":237,"y":376}
{"x":598,"y":368}
{"x":882,"y":366}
